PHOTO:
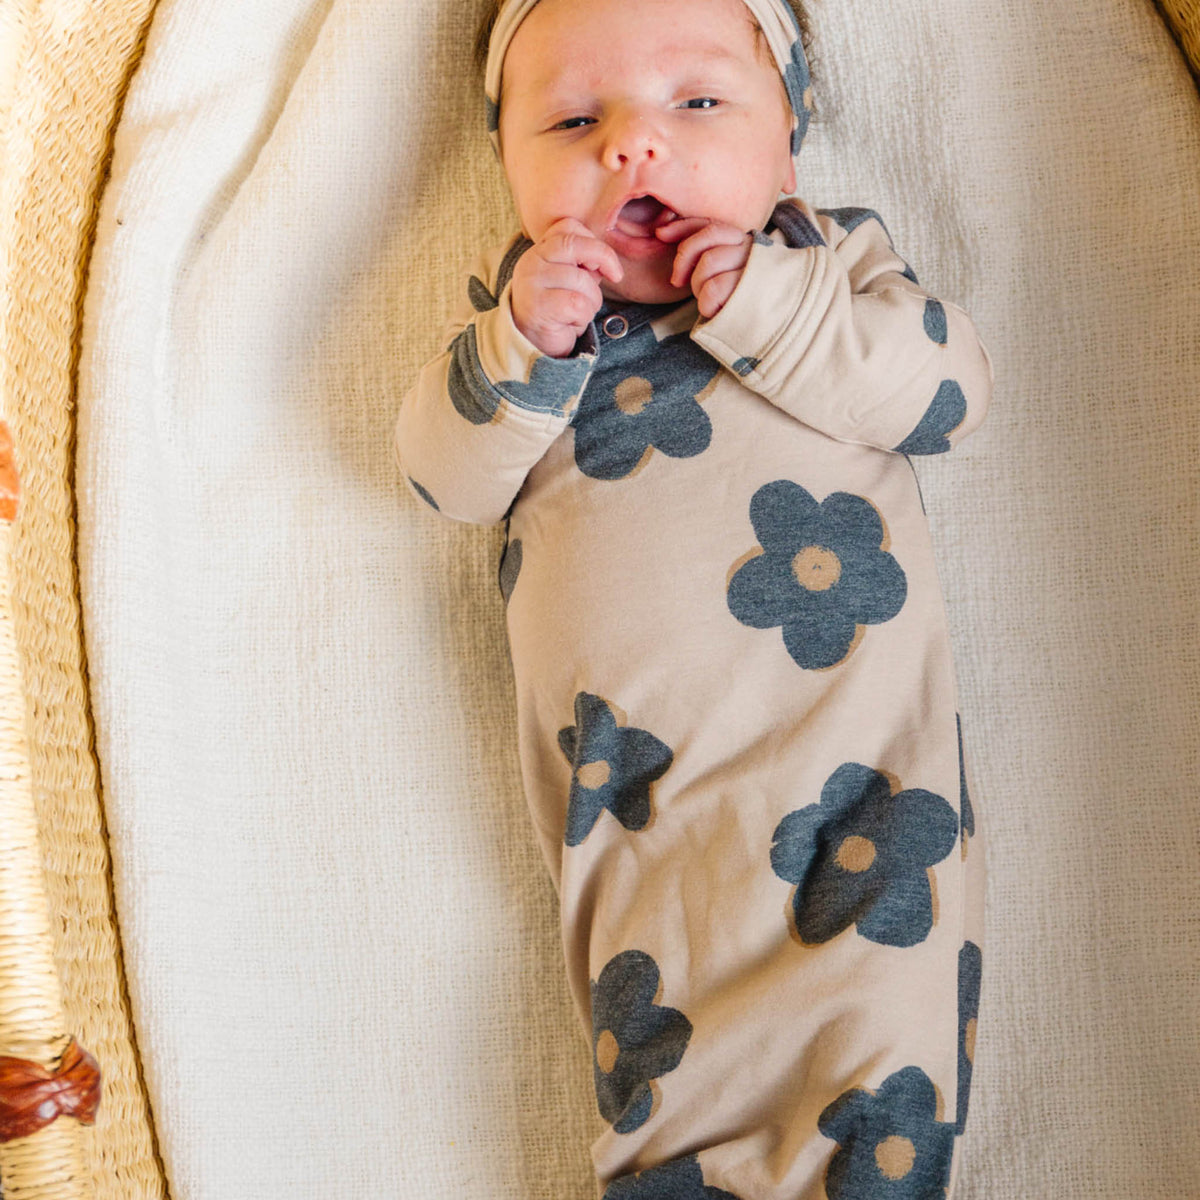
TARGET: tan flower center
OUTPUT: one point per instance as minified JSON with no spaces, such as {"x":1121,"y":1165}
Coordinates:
{"x":594,"y":774}
{"x":816,"y":568}
{"x":633,"y":394}
{"x":607,"y":1051}
{"x":855,"y":854}
{"x":969,"y":1040}
{"x":894,"y":1157}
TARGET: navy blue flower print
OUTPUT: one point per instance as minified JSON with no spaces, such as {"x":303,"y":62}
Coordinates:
{"x":424,"y":494}
{"x":935,"y":321}
{"x":822,"y":575}
{"x":970,"y":976}
{"x":860,"y":856}
{"x":679,"y":1179}
{"x":797,"y":82}
{"x":612,"y":767}
{"x":798,"y":231}
{"x":965,"y":810}
{"x":552,"y":385}
{"x":482,"y":300}
{"x":510,"y":567}
{"x":890,"y":1142}
{"x":472,"y":395}
{"x":851,"y":218}
{"x":634,"y":1040}
{"x":623,"y":416}
{"x":943,"y":416}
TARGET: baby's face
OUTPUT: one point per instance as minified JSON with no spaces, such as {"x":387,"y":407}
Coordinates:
{"x":627,"y":113}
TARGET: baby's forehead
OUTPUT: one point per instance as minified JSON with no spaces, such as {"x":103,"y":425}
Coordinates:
{"x":679,"y":45}
{"x":671,"y":12}
{"x":548,"y":73}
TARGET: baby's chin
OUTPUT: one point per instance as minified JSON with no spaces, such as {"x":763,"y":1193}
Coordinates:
{"x":644,"y":287}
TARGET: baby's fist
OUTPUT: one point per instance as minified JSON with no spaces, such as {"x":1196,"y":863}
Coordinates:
{"x":556,"y":285}
{"x":709,"y":258}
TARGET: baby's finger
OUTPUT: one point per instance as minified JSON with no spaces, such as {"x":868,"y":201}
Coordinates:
{"x":714,"y":293}
{"x":566,"y":225}
{"x":689,"y":252}
{"x":681,"y":227}
{"x":554,"y":276}
{"x":570,"y":241}
{"x":569,"y":307}
{"x":717,"y":261}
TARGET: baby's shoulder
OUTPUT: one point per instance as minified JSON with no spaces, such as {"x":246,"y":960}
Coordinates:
{"x":803,"y":224}
{"x":858,"y":237}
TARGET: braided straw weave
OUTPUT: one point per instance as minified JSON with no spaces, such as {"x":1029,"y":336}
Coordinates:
{"x":64,"y":68}
{"x":1183,"y":16}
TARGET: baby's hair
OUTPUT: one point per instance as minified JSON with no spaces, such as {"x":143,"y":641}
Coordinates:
{"x":491,"y":10}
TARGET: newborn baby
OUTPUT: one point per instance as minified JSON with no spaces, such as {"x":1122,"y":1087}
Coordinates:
{"x":693,"y":402}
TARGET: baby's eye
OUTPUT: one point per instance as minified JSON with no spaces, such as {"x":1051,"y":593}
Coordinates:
{"x":701,"y":102}
{"x":574,"y":123}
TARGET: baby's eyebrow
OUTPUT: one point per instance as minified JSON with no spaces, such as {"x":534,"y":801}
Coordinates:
{"x":554,"y":85}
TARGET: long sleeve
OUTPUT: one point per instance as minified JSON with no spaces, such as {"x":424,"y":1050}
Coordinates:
{"x":484,"y":412}
{"x":837,"y":333}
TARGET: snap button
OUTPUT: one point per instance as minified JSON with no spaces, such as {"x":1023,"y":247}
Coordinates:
{"x":615,"y":326}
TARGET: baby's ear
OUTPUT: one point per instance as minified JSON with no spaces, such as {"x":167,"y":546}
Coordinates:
{"x":789,"y":178}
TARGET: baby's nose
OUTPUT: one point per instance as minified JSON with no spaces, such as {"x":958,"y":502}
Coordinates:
{"x":633,"y":140}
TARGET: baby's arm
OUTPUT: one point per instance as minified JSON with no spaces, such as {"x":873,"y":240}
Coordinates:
{"x":840,"y":336}
{"x":484,"y":412}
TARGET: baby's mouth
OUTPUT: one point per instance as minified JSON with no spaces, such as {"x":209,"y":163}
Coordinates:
{"x":642,"y":215}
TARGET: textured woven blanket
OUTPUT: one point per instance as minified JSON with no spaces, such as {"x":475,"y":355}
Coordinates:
{"x":341,"y":943}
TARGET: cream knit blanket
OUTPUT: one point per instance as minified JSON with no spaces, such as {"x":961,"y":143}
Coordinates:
{"x":341,"y":944}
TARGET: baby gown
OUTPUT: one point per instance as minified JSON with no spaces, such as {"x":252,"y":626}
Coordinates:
{"x":736,"y":705}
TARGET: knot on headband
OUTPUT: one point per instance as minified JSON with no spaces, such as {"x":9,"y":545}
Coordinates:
{"x":774,"y":18}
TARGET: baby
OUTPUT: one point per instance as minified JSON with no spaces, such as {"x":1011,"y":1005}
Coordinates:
{"x":693,"y":404}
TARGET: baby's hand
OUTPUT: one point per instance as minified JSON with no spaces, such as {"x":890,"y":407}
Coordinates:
{"x":556,"y":285}
{"x":709,"y":258}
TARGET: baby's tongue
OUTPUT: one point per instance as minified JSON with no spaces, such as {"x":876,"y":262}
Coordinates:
{"x":640,"y":215}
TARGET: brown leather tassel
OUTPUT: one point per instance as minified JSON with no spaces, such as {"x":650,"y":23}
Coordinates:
{"x":32,"y":1097}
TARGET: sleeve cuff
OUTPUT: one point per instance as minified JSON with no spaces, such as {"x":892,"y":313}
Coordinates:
{"x":499,"y":359}
{"x":766,"y":306}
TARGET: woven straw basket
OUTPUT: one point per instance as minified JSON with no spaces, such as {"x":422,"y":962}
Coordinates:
{"x":64,"y":69}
